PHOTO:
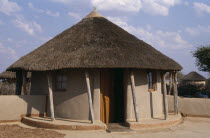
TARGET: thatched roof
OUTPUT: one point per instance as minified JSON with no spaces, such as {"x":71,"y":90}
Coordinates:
{"x":193,"y":76}
{"x":94,"y":42}
{"x":11,"y":75}
{"x":7,"y":75}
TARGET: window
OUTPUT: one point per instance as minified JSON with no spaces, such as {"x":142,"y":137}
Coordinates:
{"x":152,"y":80}
{"x":61,"y":82}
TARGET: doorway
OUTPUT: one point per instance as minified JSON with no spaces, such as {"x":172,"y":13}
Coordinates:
{"x":112,"y":96}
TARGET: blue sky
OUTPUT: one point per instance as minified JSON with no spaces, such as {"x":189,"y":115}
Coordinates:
{"x":174,"y":27}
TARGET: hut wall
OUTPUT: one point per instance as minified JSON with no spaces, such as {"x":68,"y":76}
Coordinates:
{"x":200,"y":82}
{"x":150,"y":104}
{"x":193,"y":82}
{"x":72,"y":103}
{"x":39,"y":84}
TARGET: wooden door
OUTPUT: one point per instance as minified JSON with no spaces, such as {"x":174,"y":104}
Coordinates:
{"x":107,"y":96}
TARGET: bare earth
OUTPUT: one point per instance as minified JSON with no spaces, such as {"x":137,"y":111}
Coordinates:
{"x":191,"y":128}
{"x":16,"y":131}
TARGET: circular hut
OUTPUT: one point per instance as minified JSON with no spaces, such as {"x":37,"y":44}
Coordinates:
{"x":194,"y":78}
{"x":8,"y":82}
{"x":8,"y":76}
{"x":96,"y":70}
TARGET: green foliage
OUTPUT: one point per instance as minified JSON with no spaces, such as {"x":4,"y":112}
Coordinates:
{"x":202,"y":56}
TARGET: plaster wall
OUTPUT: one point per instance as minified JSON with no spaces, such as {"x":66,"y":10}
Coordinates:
{"x":72,"y":103}
{"x":39,"y":85}
{"x":150,"y":104}
{"x":191,"y":106}
{"x":12,"y":107}
{"x":200,"y":82}
{"x":194,"y":82}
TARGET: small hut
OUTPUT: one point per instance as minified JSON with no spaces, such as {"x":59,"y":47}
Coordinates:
{"x":8,"y":82}
{"x":8,"y":76}
{"x":194,"y":78}
{"x":96,"y":70}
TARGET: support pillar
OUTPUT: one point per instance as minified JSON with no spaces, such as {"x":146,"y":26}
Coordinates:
{"x":49,"y":79}
{"x":175,"y":92}
{"x":170,"y":82}
{"x":89,"y":97}
{"x":164,"y":91}
{"x":134,"y":95}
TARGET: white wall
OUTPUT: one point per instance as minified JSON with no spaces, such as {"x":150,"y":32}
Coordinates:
{"x":191,"y":106}
{"x":12,"y":107}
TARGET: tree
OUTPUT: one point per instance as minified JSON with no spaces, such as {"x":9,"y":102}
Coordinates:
{"x":202,"y":55}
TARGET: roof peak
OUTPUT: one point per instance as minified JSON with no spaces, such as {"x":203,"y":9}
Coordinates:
{"x":193,"y":72}
{"x":93,"y":14}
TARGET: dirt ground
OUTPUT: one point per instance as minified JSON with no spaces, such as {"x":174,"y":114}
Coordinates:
{"x":16,"y":131}
{"x":190,"y":128}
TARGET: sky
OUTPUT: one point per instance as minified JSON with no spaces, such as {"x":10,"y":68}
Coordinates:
{"x":174,"y":27}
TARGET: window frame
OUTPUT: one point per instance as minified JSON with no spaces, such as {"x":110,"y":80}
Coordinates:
{"x":153,"y":81}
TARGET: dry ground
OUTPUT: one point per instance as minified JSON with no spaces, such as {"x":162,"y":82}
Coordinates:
{"x":16,"y":131}
{"x":191,"y":128}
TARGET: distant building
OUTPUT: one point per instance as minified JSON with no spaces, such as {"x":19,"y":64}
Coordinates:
{"x":8,"y":83}
{"x":193,"y":78}
{"x":8,"y":76}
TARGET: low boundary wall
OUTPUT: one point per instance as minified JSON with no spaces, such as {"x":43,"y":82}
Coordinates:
{"x":197,"y":107}
{"x":13,"y":107}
